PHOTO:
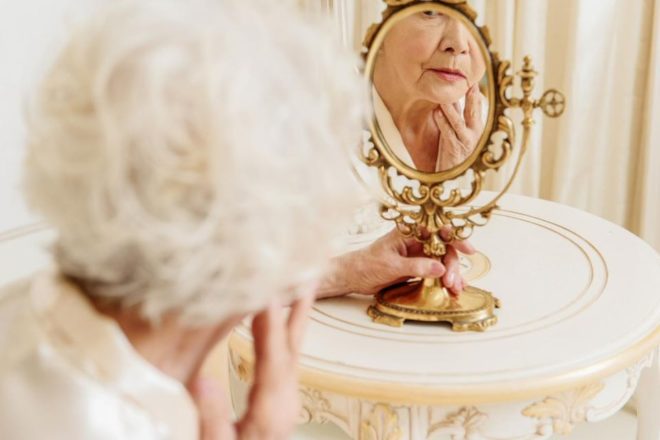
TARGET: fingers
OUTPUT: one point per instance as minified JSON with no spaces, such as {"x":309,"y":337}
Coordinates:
{"x":414,"y":263}
{"x":392,"y":241}
{"x":422,"y":267}
{"x":452,"y":150}
{"x":453,"y":117}
{"x":459,"y":286}
{"x":213,"y":409}
{"x":273,"y":402}
{"x":474,"y":109}
{"x":297,"y":322}
{"x":268,"y":333}
{"x":446,"y":130}
{"x":413,"y":247}
{"x":463,"y":246}
{"x":452,"y":277}
{"x":404,"y":246}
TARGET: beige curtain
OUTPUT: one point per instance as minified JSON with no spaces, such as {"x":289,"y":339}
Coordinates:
{"x":603,"y":154}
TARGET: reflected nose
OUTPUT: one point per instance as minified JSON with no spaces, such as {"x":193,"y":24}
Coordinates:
{"x":455,"y":38}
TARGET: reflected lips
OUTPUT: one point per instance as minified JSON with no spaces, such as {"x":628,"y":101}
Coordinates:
{"x":450,"y":75}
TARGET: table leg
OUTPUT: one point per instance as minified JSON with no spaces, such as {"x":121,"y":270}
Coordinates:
{"x":648,"y":401}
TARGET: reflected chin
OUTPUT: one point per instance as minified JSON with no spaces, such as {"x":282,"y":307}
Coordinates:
{"x":446,"y":94}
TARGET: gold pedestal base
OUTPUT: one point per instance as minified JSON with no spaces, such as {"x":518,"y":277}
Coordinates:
{"x":428,"y":301}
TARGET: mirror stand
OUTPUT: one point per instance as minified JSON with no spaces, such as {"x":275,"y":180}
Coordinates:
{"x":433,"y":139}
{"x":427,"y":300}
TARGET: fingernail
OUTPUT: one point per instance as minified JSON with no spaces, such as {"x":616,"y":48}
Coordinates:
{"x":449,"y":280}
{"x":437,"y":269}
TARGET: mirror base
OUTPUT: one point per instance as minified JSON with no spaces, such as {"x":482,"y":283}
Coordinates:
{"x":427,"y":301}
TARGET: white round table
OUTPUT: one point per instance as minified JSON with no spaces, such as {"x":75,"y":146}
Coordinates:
{"x":578,"y":333}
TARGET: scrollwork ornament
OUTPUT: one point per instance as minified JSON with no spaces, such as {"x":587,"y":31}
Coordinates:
{"x":563,"y":411}
{"x":462,"y":424}
{"x":314,"y":406}
{"x":381,"y":424}
{"x":632,"y":374}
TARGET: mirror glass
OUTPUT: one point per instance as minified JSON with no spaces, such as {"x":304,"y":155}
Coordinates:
{"x":430,"y":88}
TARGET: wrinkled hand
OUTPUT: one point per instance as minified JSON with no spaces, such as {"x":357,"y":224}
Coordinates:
{"x":273,"y":404}
{"x":453,"y":280}
{"x":390,"y":260}
{"x":459,"y":135}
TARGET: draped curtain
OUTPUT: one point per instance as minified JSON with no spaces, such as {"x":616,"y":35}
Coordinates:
{"x":603,"y":154}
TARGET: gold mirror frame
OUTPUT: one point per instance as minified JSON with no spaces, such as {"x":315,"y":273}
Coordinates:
{"x":374,"y":39}
{"x":423,"y":213}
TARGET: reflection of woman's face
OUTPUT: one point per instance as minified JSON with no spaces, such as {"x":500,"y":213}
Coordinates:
{"x":433,"y":56}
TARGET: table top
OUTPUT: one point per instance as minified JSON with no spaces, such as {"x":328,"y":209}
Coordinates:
{"x":580,"y":301}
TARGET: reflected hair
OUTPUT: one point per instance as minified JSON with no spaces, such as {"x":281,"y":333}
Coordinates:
{"x":192,"y":157}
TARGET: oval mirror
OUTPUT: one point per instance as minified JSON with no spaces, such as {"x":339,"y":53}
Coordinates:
{"x":432,"y":89}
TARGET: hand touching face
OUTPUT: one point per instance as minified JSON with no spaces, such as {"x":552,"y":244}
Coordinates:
{"x":273,"y":406}
{"x":459,"y":134}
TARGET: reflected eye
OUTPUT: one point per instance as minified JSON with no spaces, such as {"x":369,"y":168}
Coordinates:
{"x":432,"y":14}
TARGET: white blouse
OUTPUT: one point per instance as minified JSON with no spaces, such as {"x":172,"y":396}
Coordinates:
{"x":68,"y":372}
{"x":390,"y":132}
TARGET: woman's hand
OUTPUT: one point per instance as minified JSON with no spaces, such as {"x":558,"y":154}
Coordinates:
{"x":459,"y":135}
{"x":273,"y":404}
{"x":452,"y":279}
{"x":390,"y":260}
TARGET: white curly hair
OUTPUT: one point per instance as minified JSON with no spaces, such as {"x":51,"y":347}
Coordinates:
{"x":192,"y":158}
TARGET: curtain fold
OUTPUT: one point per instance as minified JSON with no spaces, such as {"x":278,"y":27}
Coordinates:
{"x":645,"y":212}
{"x":603,"y":154}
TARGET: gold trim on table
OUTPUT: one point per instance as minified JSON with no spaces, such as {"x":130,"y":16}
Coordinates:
{"x":461,"y":394}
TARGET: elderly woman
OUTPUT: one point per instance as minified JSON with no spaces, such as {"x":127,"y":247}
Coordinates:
{"x":427,"y":100}
{"x":187,"y":164}
{"x":188,"y":158}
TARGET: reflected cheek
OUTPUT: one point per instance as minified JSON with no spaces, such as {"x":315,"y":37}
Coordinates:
{"x":420,"y":51}
{"x":477,"y":69}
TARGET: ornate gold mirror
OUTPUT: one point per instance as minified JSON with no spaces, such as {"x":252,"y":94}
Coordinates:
{"x":441,"y":121}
